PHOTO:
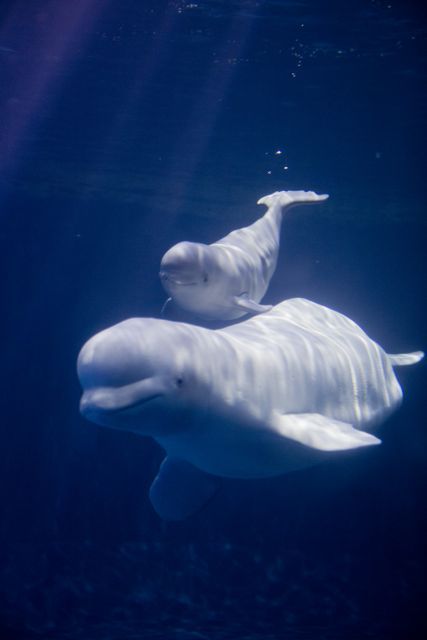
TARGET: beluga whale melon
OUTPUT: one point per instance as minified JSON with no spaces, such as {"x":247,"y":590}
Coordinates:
{"x":280,"y":391}
{"x":227,"y":279}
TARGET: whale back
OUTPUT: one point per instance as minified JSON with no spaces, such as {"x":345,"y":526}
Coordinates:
{"x":318,"y":359}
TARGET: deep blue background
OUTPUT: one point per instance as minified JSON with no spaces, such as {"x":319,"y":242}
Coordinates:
{"x":124,"y":128}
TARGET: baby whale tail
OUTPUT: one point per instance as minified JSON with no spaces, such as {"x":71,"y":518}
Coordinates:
{"x":405,"y":359}
{"x":289,"y":198}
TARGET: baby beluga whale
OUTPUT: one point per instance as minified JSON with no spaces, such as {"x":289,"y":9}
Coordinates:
{"x":227,"y":279}
{"x":277,"y":392}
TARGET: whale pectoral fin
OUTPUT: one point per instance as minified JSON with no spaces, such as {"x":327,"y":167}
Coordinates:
{"x":404,"y":359}
{"x":180,"y":489}
{"x":244,"y":302}
{"x":319,"y":432}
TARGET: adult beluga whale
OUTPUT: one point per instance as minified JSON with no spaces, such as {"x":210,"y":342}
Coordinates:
{"x":277,"y":392}
{"x":227,"y":279}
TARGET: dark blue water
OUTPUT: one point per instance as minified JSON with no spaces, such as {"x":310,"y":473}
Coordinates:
{"x":124,"y":128}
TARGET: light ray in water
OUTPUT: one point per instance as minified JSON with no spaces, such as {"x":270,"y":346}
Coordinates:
{"x":45,"y":40}
{"x":133,"y":102}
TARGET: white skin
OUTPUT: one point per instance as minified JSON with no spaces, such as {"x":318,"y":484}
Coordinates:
{"x":256,"y":399}
{"x":227,"y":279}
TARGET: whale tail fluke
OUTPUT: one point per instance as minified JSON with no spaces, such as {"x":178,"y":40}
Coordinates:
{"x":289,"y":198}
{"x":405,"y":359}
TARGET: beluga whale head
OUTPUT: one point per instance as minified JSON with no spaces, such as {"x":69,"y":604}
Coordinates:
{"x":132,"y":375}
{"x":191,"y":275}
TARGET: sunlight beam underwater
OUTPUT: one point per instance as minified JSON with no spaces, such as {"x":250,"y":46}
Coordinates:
{"x":55,"y":39}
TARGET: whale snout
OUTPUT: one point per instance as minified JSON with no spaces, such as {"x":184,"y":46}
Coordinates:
{"x":177,"y":278}
{"x":181,"y":265}
{"x":119,"y":371}
{"x":113,"y":400}
{"x":122,"y":406}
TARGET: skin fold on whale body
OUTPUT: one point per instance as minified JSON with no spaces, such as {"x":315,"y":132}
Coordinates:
{"x":227,"y":279}
{"x":280,"y":391}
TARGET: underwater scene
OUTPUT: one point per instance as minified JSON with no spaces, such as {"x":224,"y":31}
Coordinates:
{"x":213,"y":282}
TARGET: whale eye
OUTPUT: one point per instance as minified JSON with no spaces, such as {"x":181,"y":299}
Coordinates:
{"x":179,"y":382}
{"x":205,"y":277}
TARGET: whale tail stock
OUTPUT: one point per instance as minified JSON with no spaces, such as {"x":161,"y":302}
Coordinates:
{"x":285,"y":199}
{"x":405,"y":359}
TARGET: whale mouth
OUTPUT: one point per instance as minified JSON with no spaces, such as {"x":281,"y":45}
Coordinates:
{"x":166,"y":277}
{"x":117,"y":400}
{"x":136,"y":404}
{"x":180,"y":283}
{"x":90,"y":405}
